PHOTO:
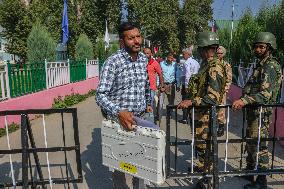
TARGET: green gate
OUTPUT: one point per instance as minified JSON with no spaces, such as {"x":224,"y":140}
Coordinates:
{"x":26,"y":78}
{"x":77,"y":70}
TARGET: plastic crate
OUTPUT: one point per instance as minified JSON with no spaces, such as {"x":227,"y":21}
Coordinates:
{"x":140,"y":153}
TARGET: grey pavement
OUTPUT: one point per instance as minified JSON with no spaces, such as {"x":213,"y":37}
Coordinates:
{"x":97,"y":176}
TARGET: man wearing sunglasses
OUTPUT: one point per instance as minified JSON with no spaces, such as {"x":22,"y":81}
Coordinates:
{"x":262,"y":88}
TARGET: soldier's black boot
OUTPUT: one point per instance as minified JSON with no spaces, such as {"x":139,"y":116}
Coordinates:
{"x":260,"y":183}
{"x":249,"y":177}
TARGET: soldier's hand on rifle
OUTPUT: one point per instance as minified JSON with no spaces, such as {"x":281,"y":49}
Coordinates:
{"x":238,"y":104}
{"x":184,"y":104}
{"x":126,"y":119}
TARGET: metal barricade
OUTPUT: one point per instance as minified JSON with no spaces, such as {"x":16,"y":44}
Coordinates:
{"x":31,"y":169}
{"x":214,"y":142}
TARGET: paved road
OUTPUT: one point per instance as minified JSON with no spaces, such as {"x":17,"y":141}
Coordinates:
{"x":95,"y":175}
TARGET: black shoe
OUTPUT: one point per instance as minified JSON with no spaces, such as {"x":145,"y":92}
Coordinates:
{"x":183,"y":121}
{"x":220,"y":131}
{"x":260,"y":183}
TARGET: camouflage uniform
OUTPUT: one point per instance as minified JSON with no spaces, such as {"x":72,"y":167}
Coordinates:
{"x":262,"y":88}
{"x":206,"y":88}
{"x":229,"y":75}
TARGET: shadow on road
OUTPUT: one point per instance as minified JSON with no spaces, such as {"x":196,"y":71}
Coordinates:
{"x":96,"y":175}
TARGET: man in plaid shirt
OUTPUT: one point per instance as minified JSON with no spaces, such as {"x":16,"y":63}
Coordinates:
{"x":123,"y":91}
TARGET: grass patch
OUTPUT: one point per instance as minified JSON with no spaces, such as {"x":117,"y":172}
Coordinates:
{"x":70,"y":100}
{"x":11,"y":128}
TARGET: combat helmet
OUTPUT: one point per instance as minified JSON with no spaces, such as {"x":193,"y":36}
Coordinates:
{"x":266,"y":37}
{"x":207,"y":38}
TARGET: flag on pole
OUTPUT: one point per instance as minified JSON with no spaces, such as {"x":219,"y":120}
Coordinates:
{"x":65,"y":31}
{"x":106,"y":37}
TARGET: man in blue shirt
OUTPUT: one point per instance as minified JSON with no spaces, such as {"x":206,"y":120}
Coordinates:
{"x":169,"y":68}
{"x":123,"y":91}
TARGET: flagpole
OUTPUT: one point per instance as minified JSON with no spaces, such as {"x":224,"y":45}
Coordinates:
{"x":106,"y":38}
{"x":64,"y":27}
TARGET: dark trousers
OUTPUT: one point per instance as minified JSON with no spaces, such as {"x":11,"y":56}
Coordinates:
{"x":184,"y":97}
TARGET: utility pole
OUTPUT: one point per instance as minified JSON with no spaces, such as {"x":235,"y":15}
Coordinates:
{"x":232,"y":24}
{"x":232,"y":28}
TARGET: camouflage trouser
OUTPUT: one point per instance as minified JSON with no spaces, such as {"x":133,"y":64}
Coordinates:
{"x":252,"y":132}
{"x":203,"y":150}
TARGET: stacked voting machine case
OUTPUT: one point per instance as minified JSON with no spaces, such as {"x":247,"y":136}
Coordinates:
{"x":140,"y":153}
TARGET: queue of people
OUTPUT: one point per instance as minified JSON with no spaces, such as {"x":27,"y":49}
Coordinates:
{"x":128,"y":86}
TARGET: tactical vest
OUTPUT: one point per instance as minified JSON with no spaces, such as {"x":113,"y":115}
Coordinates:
{"x":198,"y":83}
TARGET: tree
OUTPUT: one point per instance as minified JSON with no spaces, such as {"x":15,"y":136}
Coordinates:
{"x":158,"y":21}
{"x":100,"y":48}
{"x":243,"y":38}
{"x":90,"y":22}
{"x":94,"y":15}
{"x":17,"y":26}
{"x":194,"y":18}
{"x":224,"y":37}
{"x":40,"y":44}
{"x":113,"y":48}
{"x":84,"y":48}
{"x":50,"y":14}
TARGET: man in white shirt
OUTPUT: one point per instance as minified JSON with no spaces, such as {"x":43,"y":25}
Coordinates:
{"x":191,"y":67}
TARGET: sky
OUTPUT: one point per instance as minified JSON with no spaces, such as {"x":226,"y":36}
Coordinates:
{"x":222,"y":9}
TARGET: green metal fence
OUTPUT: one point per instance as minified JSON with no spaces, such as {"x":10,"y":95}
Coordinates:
{"x":33,"y":77}
{"x":27,"y":78}
{"x":77,"y":70}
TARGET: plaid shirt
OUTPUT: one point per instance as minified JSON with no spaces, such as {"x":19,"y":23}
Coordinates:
{"x":124,"y":84}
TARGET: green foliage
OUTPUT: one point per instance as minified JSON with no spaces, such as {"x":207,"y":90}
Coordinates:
{"x":158,"y":21}
{"x":17,"y":25}
{"x":40,"y":44}
{"x":50,"y":14}
{"x":94,"y":15}
{"x":168,"y":24}
{"x":224,"y":37}
{"x":274,"y":23}
{"x":200,"y":12}
{"x":113,"y":48}
{"x":84,"y":48}
{"x":86,"y":16}
{"x":11,"y":128}
{"x":100,"y":48}
{"x":243,"y":38}
{"x":269,"y":19}
{"x":71,"y":100}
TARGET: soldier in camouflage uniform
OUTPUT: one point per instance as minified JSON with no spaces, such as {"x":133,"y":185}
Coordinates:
{"x":262,"y":88}
{"x":221,"y":52}
{"x":205,"y":88}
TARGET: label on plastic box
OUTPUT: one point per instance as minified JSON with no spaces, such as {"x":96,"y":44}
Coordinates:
{"x":128,"y":167}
